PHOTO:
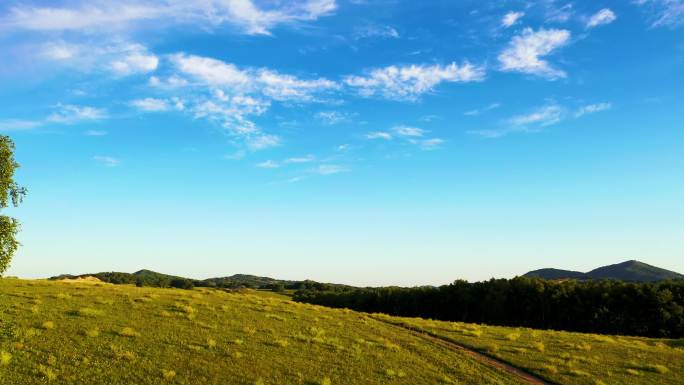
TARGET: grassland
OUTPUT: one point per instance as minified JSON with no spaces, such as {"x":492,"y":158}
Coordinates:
{"x":92,"y":333}
{"x":564,"y":357}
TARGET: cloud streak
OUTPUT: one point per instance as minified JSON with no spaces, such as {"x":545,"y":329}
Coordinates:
{"x":93,"y":17}
{"x":525,"y":52}
{"x":409,"y":82}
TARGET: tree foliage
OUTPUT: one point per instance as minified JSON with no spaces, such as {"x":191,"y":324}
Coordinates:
{"x":611,"y":307}
{"x":10,"y":193}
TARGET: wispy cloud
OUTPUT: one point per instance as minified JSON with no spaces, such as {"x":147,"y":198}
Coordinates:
{"x":592,"y":108}
{"x":333,"y":117}
{"x":427,"y":144}
{"x":232,"y":96}
{"x":301,"y":159}
{"x":19,"y":124}
{"x":268,"y":164}
{"x":407,"y":135}
{"x":525,"y":52}
{"x":267,"y":82}
{"x":108,"y":56}
{"x":379,"y":135}
{"x":95,"y":133}
{"x":375,"y":31}
{"x":540,"y":118}
{"x":511,"y":18}
{"x":665,"y":13}
{"x":107,"y":161}
{"x":479,"y":111}
{"x":329,"y":169}
{"x":151,"y":104}
{"x":92,"y":17}
{"x":408,"y":131}
{"x":544,"y":116}
{"x":558,"y":14}
{"x":604,"y":16}
{"x":69,"y":114}
{"x":410,"y":82}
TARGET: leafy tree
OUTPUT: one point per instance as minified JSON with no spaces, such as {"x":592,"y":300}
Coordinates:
{"x":10,"y":192}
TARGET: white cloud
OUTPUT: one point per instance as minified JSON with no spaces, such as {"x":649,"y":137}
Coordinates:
{"x":604,"y":16}
{"x":93,"y":17}
{"x":665,"y":13}
{"x":544,"y":116}
{"x":375,"y":31}
{"x":95,"y":133}
{"x":408,"y":131}
{"x":524,"y":53}
{"x":60,"y":50}
{"x":151,"y":104}
{"x":301,"y":159}
{"x":480,"y":111}
{"x":19,"y":124}
{"x":379,"y":135}
{"x":333,"y":117}
{"x":539,"y":118}
{"x":511,"y":18}
{"x":137,"y":61}
{"x":86,"y":17}
{"x":170,"y":82}
{"x":288,"y":87}
{"x":270,"y":83}
{"x":212,"y":72}
{"x":68,"y":114}
{"x":262,"y":141}
{"x":107,"y":160}
{"x":329,"y":169}
{"x":427,"y":144}
{"x":268,"y":164}
{"x":232,"y":96}
{"x":410,"y":82}
{"x":556,"y":14}
{"x":116,"y":57}
{"x":256,"y":21}
{"x":592,"y":108}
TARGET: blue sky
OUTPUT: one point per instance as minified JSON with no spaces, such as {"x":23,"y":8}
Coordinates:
{"x":364,"y":142}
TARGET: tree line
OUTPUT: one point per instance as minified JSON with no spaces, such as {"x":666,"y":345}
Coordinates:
{"x":606,"y":306}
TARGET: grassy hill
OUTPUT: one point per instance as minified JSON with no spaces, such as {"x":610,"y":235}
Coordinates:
{"x":632,"y":271}
{"x":61,"y":332}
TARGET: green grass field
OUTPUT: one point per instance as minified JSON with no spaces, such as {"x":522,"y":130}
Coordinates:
{"x":92,"y":333}
{"x":564,"y":357}
{"x":80,"y":333}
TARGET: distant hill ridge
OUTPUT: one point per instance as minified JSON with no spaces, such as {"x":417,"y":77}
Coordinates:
{"x":632,"y":271}
{"x":152,"y":278}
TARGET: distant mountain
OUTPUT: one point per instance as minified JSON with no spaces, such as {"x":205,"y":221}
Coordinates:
{"x":633,"y":271}
{"x":556,"y":274}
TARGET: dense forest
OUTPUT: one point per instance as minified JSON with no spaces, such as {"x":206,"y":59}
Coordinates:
{"x":610,"y":307}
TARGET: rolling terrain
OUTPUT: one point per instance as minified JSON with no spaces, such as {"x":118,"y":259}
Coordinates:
{"x":87,"y":332}
{"x":631,"y":271}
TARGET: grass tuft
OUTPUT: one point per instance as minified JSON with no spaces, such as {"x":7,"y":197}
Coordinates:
{"x":5,"y":358}
{"x":128,"y":332}
{"x":48,"y":325}
{"x":168,"y":375}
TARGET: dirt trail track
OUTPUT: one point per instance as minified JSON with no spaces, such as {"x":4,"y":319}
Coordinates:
{"x":482,"y":358}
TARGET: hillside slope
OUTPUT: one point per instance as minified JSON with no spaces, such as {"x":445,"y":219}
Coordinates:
{"x":95,"y":333}
{"x":633,"y":271}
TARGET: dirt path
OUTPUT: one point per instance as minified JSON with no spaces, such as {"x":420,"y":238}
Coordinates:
{"x":482,"y":358}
